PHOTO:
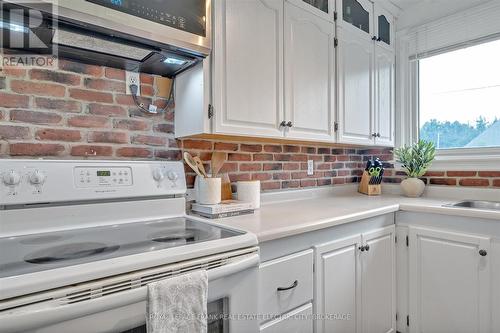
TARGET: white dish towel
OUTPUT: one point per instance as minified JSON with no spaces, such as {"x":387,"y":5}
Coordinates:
{"x":178,"y":304}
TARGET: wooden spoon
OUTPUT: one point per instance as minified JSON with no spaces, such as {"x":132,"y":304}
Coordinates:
{"x":192,"y":164}
{"x":200,"y":166}
{"x":217,"y":162}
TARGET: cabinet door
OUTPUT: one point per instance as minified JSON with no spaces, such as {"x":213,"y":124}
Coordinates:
{"x":337,"y":278}
{"x":378,"y":281}
{"x":355,"y":88}
{"x":248,"y":67}
{"x":356,"y":16}
{"x":449,"y":282}
{"x":309,"y":75}
{"x":384,"y":27}
{"x":384,"y":96}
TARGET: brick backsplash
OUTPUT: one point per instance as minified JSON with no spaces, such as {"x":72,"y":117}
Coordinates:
{"x":82,"y":111}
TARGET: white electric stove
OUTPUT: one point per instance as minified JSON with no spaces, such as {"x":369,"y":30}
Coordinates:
{"x":80,"y":241}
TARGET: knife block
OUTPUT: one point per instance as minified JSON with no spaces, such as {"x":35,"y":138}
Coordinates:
{"x":366,"y":188}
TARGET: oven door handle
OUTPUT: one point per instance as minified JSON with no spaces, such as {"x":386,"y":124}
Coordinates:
{"x":49,"y":313}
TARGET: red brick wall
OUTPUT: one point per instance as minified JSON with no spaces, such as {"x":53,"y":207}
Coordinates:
{"x":285,"y":166}
{"x":462,"y":178}
{"x":77,"y":111}
{"x":81,"y":111}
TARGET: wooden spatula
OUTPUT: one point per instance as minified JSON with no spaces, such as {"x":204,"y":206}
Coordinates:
{"x":192,"y":164}
{"x":200,"y":166}
{"x":217,"y":162}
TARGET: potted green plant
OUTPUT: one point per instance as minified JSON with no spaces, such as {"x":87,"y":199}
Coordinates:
{"x":415,"y":160}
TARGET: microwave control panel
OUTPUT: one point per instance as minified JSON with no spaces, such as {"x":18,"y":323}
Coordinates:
{"x":186,"y":15}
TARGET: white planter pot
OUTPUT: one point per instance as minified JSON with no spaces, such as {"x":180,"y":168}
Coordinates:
{"x":413,"y":187}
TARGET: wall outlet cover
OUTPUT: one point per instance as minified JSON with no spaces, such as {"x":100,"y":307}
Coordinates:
{"x":133,"y":78}
{"x":310,"y":167}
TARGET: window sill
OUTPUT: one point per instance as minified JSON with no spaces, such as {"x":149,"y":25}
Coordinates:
{"x":476,"y":159}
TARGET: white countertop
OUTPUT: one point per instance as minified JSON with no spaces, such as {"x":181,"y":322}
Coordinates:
{"x":291,"y":213}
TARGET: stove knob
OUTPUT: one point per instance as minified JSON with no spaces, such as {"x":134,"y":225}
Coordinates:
{"x":11,"y":178}
{"x":37,"y":178}
{"x":158,"y":175}
{"x":173,"y":176}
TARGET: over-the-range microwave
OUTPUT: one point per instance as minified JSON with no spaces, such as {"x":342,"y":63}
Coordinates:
{"x":180,"y":27}
{"x":184,"y":23}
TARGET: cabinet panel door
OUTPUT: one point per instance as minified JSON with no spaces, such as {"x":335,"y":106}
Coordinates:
{"x":384,"y":96}
{"x":378,"y":282}
{"x":309,"y":75}
{"x":336,"y":293}
{"x":449,"y":282}
{"x":248,"y":67}
{"x":355,"y":88}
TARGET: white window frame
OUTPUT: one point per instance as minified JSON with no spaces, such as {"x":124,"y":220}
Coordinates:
{"x":449,"y":36}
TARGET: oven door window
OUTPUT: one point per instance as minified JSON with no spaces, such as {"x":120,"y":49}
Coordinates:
{"x":217,"y":323}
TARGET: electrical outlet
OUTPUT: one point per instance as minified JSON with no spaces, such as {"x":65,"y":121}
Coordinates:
{"x":310,"y":167}
{"x":133,"y":78}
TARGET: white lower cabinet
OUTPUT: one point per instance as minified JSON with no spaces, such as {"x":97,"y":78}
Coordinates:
{"x":378,"y":282}
{"x":337,"y":279}
{"x":355,"y":283}
{"x":449,"y":282}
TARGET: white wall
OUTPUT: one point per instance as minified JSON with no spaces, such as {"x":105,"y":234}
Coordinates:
{"x":418,"y":12}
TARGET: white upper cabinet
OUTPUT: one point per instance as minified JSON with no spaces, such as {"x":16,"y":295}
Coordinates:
{"x":248,"y":67}
{"x":275,"y":72}
{"x":384,"y":96}
{"x":355,"y":88}
{"x":450,"y":282}
{"x":365,"y":65}
{"x":309,"y":75}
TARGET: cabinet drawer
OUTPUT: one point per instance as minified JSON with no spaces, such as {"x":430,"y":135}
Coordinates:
{"x":296,"y":321}
{"x":286,"y":283}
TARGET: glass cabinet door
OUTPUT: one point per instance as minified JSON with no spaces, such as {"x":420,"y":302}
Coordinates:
{"x":354,"y":13}
{"x":384,"y":30}
{"x":320,"y":4}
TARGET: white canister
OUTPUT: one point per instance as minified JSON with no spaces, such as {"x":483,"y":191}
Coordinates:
{"x":208,"y":190}
{"x":249,"y":191}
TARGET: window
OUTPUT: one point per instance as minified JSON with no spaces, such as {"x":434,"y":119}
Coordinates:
{"x":459,"y":97}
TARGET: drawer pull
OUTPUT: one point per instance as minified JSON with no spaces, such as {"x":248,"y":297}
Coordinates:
{"x":294,"y":284}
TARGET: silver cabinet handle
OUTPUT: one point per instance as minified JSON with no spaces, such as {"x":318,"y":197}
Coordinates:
{"x":283,"y":124}
{"x":294,"y":284}
{"x":289,"y":124}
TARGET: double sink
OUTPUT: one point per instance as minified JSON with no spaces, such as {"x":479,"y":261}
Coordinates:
{"x":476,"y":204}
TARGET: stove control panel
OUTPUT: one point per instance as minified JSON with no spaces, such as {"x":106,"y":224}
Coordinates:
{"x":102,"y":176}
{"x":50,"y":181}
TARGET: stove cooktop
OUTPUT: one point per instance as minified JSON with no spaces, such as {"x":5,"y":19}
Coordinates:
{"x":33,"y":253}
